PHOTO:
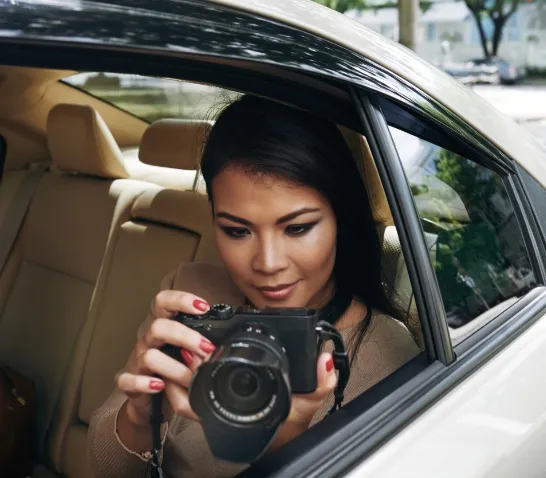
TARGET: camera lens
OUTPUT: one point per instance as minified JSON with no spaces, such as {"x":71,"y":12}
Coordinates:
{"x":244,"y":383}
{"x":244,"y":389}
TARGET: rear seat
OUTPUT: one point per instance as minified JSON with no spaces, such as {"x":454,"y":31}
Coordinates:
{"x":164,"y":228}
{"x":51,"y":273}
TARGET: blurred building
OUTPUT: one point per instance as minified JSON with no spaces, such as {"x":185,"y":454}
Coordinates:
{"x":451,"y":24}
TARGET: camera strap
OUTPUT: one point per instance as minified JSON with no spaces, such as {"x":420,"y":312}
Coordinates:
{"x":326,"y":331}
{"x":155,"y":420}
{"x":329,"y":315}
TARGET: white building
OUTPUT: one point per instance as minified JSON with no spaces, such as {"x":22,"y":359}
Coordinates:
{"x":523,"y":43}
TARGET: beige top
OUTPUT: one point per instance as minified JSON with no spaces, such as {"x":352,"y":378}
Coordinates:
{"x":387,"y":345}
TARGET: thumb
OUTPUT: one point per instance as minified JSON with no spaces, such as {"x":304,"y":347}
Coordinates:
{"x":326,"y":376}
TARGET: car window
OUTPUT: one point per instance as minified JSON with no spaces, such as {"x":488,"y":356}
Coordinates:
{"x":474,"y":239}
{"x":152,"y":98}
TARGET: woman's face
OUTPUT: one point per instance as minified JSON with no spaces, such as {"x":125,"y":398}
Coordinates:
{"x":277,"y":239}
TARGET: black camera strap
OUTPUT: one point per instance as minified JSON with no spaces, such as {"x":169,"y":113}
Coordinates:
{"x":155,"y":420}
{"x":328,"y":316}
{"x":325,"y":332}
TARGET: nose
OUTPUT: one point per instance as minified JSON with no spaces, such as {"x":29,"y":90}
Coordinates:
{"x":270,"y":256}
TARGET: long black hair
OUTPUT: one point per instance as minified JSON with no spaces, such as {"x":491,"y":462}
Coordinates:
{"x":263,"y":136}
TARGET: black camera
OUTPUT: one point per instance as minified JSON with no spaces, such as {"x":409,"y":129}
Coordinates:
{"x":243,"y":393}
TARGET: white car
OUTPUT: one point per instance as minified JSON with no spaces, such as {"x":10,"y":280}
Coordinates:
{"x":459,"y":192}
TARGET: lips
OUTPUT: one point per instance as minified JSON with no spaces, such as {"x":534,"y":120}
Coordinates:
{"x":277,"y":292}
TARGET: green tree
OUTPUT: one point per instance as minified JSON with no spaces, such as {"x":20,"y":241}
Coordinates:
{"x":498,"y":11}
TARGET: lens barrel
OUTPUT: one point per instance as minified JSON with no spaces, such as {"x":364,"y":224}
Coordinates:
{"x":242,"y":394}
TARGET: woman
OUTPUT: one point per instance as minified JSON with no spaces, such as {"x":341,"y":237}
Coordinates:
{"x":293,"y":225}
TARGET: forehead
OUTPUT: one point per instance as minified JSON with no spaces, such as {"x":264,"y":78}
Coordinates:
{"x":235,"y":189}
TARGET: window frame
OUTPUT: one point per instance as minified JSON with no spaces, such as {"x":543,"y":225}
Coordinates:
{"x":350,"y":435}
{"x":526,"y":216}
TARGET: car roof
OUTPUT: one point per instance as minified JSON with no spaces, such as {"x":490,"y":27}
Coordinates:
{"x":501,"y":130}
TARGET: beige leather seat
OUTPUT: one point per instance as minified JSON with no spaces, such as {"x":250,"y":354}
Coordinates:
{"x":48,"y":281}
{"x":163,"y":228}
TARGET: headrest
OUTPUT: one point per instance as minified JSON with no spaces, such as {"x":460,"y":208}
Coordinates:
{"x":183,"y":210}
{"x":79,"y":141}
{"x":363,"y":156}
{"x":174,"y":143}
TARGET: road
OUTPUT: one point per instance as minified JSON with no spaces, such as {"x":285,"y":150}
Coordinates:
{"x":525,"y":103}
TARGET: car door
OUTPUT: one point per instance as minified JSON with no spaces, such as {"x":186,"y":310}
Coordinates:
{"x":486,"y":246}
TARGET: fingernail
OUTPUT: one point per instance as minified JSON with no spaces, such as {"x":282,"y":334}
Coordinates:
{"x":157,"y":385}
{"x":187,"y":356}
{"x":329,"y":364}
{"x":200,"y":305}
{"x":206,"y":346}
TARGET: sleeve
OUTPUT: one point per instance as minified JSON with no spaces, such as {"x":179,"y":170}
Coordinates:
{"x":109,"y":457}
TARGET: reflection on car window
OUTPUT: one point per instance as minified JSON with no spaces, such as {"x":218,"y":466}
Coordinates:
{"x":151,"y":98}
{"x":478,"y":250}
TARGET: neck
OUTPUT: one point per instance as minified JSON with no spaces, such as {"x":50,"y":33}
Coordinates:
{"x":336,"y":306}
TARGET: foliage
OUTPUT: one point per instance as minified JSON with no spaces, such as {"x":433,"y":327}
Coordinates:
{"x":344,"y":5}
{"x":498,"y":11}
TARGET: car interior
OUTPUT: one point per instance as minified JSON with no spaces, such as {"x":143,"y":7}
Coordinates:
{"x":117,"y":202}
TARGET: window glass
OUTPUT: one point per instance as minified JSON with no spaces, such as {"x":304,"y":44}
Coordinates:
{"x":154,"y":98}
{"x":475,"y":243}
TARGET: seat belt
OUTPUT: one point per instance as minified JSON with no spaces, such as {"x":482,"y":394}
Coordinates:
{"x":18,"y":209}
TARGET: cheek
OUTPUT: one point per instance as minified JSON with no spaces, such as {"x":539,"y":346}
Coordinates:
{"x":316,"y":252}
{"x":234,"y":253}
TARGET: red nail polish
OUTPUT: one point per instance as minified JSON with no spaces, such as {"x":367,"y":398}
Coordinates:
{"x":329,"y":364}
{"x":157,"y":385}
{"x":187,"y":356}
{"x":200,"y":305}
{"x":206,"y":346}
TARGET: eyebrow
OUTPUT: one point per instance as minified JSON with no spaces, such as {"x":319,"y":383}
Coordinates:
{"x":281,"y":220}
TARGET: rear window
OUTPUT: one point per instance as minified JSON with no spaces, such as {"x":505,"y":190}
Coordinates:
{"x":151,"y":98}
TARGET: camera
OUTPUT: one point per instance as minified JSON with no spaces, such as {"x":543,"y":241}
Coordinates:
{"x":242,"y":395}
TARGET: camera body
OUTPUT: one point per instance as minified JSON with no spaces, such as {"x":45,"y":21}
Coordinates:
{"x":243,"y":393}
{"x":293,"y":328}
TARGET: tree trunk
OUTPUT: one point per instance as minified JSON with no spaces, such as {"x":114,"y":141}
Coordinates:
{"x":408,"y":21}
{"x":497,"y":35}
{"x":481,"y":31}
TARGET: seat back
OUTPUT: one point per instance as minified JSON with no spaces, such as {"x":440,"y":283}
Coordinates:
{"x":52,"y":270}
{"x":164,"y":228}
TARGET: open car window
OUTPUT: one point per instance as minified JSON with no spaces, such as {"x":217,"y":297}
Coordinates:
{"x":152,"y":98}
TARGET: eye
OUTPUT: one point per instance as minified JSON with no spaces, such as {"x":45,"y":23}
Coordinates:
{"x":236,"y":232}
{"x":299,"y":229}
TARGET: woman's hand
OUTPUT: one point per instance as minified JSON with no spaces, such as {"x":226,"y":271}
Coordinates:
{"x":304,"y":406}
{"x":147,"y":362}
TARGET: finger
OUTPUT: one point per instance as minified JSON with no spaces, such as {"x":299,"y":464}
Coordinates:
{"x":179,"y":401}
{"x":154,"y":361}
{"x":166,"y":331}
{"x":190,"y":360}
{"x":133,"y":384}
{"x":168,"y":303}
{"x":326,"y":376}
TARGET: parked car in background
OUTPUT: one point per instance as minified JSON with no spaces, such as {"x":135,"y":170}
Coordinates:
{"x":493,"y":71}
